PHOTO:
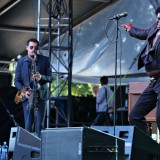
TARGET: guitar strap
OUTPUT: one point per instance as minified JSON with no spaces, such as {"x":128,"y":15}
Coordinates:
{"x":106,"y":96}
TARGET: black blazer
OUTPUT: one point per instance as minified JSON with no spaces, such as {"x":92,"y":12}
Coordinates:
{"x":22,"y":75}
{"x":144,"y":34}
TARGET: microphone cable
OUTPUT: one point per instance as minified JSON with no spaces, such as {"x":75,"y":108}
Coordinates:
{"x":9,"y":113}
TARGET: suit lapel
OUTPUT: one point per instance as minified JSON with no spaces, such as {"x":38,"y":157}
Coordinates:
{"x":26,"y":71}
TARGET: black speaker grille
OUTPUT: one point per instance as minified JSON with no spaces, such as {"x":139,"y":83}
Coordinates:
{"x":78,"y":143}
{"x":27,"y":139}
{"x":27,"y":146}
{"x":55,"y":144}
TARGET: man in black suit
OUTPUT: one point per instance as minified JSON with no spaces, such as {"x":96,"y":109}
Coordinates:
{"x":149,"y":58}
{"x":33,"y":72}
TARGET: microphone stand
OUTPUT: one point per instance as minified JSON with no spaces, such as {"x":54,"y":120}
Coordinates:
{"x":115,"y":80}
{"x":11,"y":116}
{"x":32,"y":103}
{"x":115,"y":87}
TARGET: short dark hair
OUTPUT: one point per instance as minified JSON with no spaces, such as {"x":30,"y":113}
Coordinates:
{"x":158,"y":10}
{"x":104,"y":80}
{"x":32,"y":40}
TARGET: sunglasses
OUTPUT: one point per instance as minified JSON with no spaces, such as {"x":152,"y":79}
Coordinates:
{"x":35,"y":47}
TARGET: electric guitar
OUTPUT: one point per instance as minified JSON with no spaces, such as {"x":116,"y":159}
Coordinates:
{"x":19,"y":95}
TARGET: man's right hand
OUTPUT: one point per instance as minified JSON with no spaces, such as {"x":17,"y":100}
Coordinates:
{"x":127,"y":26}
{"x":27,"y":94}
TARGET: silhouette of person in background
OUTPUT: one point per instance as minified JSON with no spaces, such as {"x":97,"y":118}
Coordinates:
{"x":95,"y":90}
{"x":104,"y":102}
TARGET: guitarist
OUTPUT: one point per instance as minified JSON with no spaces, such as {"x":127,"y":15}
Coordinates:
{"x":23,"y":77}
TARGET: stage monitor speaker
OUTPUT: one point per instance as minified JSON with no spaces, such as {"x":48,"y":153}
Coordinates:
{"x":27,"y":146}
{"x":80,"y":143}
{"x":138,"y":145}
{"x":12,"y":139}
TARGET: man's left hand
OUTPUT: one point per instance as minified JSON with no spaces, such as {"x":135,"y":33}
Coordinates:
{"x":37,"y":76}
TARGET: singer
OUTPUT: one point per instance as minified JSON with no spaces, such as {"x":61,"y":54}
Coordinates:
{"x":23,"y":78}
{"x":149,"y":57}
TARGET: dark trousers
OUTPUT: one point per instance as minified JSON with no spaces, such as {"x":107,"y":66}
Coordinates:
{"x":31,"y":119}
{"x":148,"y":100}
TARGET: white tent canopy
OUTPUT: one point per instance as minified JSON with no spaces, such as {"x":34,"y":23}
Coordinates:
{"x":94,"y":53}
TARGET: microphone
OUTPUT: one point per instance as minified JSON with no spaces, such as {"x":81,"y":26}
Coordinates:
{"x":118,"y":16}
{"x":34,"y":55}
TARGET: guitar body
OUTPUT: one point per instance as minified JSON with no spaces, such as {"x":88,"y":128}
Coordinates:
{"x":19,"y":95}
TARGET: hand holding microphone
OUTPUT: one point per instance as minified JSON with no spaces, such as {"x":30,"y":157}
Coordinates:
{"x":37,"y":76}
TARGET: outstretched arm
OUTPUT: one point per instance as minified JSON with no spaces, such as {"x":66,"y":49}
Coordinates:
{"x":141,"y":34}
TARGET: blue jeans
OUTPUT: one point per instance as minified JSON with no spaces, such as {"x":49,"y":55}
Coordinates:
{"x":148,"y":100}
{"x":31,"y":120}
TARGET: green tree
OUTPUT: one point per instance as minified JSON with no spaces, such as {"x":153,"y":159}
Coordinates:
{"x":77,"y":89}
